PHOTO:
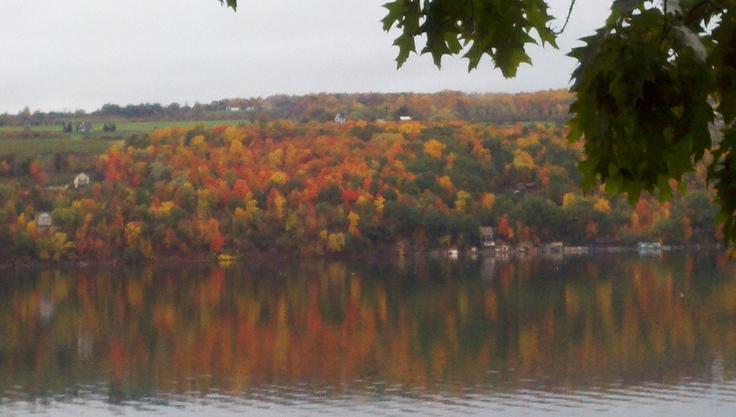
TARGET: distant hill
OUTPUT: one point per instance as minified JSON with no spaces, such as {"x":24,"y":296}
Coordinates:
{"x":549,"y":105}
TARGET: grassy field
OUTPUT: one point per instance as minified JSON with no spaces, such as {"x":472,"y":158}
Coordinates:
{"x":124,"y":128}
{"x":52,"y":140}
{"x":143,"y":127}
{"x":31,"y":147}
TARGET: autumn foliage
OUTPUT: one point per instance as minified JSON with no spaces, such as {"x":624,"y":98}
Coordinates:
{"x":326,"y":188}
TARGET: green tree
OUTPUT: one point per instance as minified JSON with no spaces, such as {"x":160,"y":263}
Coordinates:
{"x":644,"y":81}
{"x":540,"y":214}
{"x":700,"y":211}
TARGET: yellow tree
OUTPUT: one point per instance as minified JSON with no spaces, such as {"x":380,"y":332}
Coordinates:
{"x":353,"y":218}
{"x":54,"y":247}
{"x":434,"y":148}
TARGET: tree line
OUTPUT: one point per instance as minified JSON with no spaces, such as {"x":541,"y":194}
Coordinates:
{"x":446,"y":105}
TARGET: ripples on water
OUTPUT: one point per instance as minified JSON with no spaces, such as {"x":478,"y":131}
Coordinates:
{"x":554,"y":347}
{"x":363,"y":398}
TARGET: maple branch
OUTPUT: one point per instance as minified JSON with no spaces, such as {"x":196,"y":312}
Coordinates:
{"x":567,"y":19}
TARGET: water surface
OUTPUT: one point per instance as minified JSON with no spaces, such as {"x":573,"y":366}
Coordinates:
{"x":599,"y":335}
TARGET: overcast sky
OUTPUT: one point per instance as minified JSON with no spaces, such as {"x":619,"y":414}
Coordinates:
{"x":81,"y":54}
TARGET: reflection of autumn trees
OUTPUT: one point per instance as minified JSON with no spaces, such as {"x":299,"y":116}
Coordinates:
{"x":331,"y":323}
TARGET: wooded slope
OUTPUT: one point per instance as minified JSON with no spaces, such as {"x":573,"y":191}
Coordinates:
{"x":321,"y":188}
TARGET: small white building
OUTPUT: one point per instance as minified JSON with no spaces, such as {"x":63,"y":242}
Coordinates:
{"x":405,"y":118}
{"x":340,"y":118}
{"x":85,"y":127}
{"x":81,"y":180}
{"x":554,"y":247}
{"x":43,"y":219}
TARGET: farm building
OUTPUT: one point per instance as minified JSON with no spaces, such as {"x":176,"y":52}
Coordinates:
{"x":81,"y":180}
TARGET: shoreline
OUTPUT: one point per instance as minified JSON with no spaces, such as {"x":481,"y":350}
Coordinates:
{"x":541,"y":252}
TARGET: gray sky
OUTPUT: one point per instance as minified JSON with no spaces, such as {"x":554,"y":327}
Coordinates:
{"x":81,"y":54}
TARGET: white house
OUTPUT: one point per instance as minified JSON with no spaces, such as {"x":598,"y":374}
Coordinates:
{"x":81,"y":180}
{"x":85,"y":127}
{"x":340,"y":118}
{"x":43,"y":219}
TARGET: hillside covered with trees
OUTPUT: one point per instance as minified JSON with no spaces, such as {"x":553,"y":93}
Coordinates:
{"x":327,"y":188}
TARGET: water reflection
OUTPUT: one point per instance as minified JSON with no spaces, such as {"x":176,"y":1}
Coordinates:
{"x":560,"y":336}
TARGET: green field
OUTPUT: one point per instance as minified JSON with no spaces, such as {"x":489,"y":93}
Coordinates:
{"x":124,"y":128}
{"x":52,"y":140}
{"x":31,"y":147}
{"x":144,"y":127}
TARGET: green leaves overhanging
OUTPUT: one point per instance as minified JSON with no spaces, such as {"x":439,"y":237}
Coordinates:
{"x":653,"y":88}
{"x":499,"y":29}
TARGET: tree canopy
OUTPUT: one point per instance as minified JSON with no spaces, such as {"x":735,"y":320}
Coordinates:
{"x":654,"y":85}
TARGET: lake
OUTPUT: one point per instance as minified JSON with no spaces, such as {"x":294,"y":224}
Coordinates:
{"x":603,"y":335}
